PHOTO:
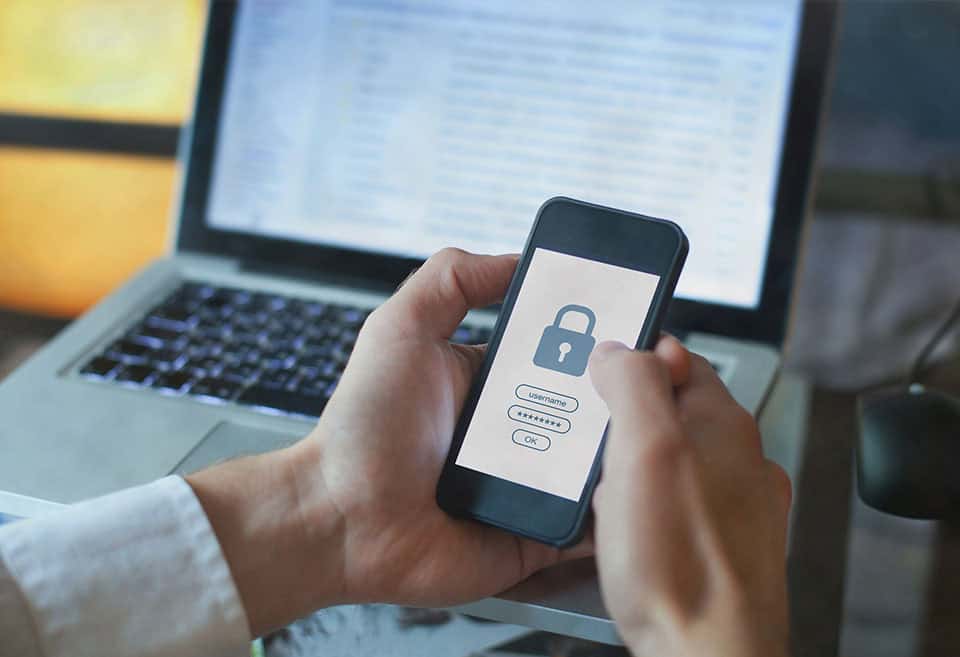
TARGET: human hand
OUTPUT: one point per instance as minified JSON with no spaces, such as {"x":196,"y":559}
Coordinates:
{"x":384,"y":437}
{"x":691,"y":519}
{"x":350,"y":514}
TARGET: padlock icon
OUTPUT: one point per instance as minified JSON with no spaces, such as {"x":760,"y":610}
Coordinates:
{"x":565,"y":350}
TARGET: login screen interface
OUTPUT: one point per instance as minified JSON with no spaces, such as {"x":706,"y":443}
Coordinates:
{"x":538,"y":421}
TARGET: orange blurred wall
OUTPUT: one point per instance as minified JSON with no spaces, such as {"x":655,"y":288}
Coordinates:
{"x":74,"y":225}
{"x":120,"y":60}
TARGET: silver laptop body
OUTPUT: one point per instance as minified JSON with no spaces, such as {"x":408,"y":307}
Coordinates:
{"x":391,"y":128}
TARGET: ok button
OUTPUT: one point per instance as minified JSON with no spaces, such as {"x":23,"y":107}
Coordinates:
{"x":531,"y":440}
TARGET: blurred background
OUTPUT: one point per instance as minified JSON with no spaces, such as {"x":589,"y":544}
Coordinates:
{"x":93,"y":94}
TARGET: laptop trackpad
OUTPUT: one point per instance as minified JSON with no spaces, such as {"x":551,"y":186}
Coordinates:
{"x":228,"y":440}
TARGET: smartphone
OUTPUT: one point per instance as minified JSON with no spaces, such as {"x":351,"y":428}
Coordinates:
{"x":526,"y":450}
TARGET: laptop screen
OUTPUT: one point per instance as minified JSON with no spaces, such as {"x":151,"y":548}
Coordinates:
{"x":403,"y":127}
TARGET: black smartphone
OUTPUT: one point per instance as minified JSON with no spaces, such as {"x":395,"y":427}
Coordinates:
{"x":526,"y":451}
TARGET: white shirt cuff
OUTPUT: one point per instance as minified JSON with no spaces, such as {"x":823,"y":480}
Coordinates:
{"x":138,"y":572}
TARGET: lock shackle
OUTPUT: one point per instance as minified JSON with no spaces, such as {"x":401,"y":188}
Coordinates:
{"x":574,"y":308}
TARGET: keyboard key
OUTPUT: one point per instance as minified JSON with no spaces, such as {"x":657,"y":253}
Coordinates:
{"x":294,"y":325}
{"x":314,"y":331}
{"x":167,"y":359}
{"x":251,"y":356}
{"x":461,"y":335}
{"x":134,"y":374}
{"x":349,"y":338}
{"x":314,"y":308}
{"x":100,"y":366}
{"x":283,"y":400}
{"x":340,"y":355}
{"x":175,"y":313}
{"x":271,"y":302}
{"x":129,"y":351}
{"x":285,"y":343}
{"x":245,"y":337}
{"x":281,"y":360}
{"x":238,"y":297}
{"x":317,"y":343}
{"x":314,"y":387}
{"x":176,"y":317}
{"x":204,"y":366}
{"x":206,"y":349}
{"x":155,"y":335}
{"x":218,"y":301}
{"x":239,"y":373}
{"x":197,"y":350}
{"x":214,"y":387}
{"x":352,"y":317}
{"x":199,"y":291}
{"x":230,"y":357}
{"x":309,"y":372}
{"x":276,"y":378}
{"x":174,"y":381}
{"x":470,"y":335}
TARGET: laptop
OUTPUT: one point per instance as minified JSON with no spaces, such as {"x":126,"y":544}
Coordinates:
{"x":335,"y":145}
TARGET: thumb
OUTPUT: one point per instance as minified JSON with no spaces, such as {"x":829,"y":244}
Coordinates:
{"x":434,"y":300}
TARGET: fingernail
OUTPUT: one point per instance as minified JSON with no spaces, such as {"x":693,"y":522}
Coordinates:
{"x":606,"y":349}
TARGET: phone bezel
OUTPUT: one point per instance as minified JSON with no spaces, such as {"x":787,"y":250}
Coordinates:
{"x":589,"y":231}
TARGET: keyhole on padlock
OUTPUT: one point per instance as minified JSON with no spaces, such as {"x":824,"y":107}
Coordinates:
{"x":564,"y":348}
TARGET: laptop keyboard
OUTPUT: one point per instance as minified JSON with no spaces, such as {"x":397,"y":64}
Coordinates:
{"x":273,"y":353}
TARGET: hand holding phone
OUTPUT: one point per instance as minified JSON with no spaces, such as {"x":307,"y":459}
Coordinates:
{"x":525,"y":454}
{"x":374,"y":458}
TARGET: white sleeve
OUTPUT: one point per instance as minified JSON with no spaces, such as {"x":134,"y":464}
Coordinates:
{"x":139,"y":572}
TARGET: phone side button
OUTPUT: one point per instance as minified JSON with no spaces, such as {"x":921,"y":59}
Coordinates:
{"x":532,"y":440}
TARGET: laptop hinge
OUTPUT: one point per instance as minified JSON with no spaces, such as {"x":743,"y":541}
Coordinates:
{"x":326,"y":277}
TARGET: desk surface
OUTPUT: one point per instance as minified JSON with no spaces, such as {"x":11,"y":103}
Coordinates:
{"x":902,"y":576}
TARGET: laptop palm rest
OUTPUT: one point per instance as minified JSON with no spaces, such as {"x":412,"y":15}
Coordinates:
{"x":228,"y":440}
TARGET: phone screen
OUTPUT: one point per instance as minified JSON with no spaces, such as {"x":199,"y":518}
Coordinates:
{"x":538,"y":421}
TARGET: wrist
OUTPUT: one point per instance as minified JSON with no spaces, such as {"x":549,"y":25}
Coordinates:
{"x":281,"y":537}
{"x":726,"y":629}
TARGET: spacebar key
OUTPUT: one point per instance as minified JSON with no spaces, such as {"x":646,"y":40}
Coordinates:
{"x":282,"y":400}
